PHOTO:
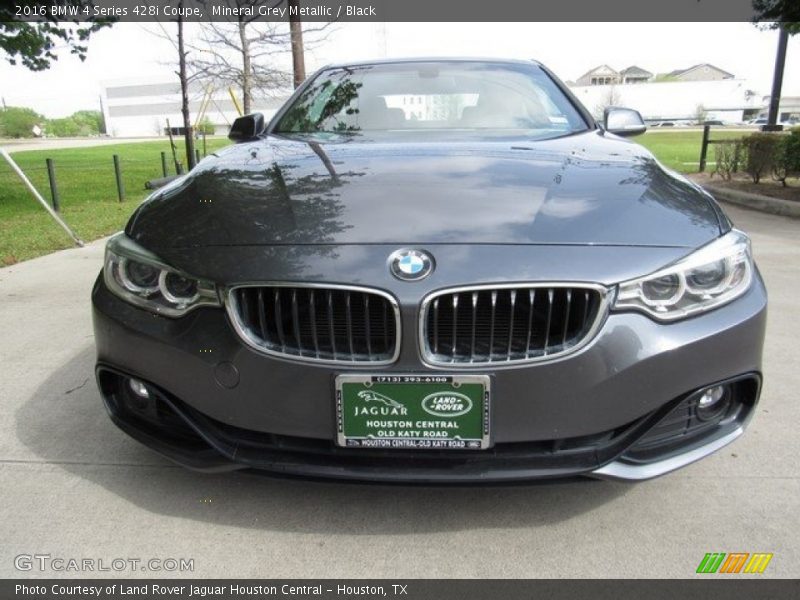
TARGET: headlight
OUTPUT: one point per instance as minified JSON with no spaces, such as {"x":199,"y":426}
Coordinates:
{"x":140,"y":277}
{"x":710,"y":277}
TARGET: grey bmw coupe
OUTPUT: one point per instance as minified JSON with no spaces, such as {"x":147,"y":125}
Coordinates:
{"x":436,"y":271}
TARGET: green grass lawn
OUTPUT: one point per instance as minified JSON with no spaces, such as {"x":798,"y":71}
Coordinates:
{"x":89,"y":195}
{"x":88,"y":191}
{"x":680,"y":150}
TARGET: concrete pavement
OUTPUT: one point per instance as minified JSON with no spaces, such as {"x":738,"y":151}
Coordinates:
{"x":73,"y":486}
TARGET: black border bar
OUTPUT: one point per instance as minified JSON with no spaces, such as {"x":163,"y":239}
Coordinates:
{"x":708,"y":587}
{"x":390,"y":10}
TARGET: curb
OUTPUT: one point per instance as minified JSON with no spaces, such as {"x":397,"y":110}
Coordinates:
{"x":775,"y":206}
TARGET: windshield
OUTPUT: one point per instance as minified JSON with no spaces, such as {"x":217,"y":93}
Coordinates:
{"x":436,"y":97}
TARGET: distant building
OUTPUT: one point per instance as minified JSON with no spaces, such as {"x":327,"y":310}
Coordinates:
{"x":729,"y":100}
{"x":788,"y":110}
{"x":634,"y":74}
{"x":701,"y":72}
{"x":142,"y":107}
{"x":602,"y":75}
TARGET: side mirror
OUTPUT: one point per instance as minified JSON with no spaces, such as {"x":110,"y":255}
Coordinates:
{"x":623,"y":121}
{"x":247,"y":127}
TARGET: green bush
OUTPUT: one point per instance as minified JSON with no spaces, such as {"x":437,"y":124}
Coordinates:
{"x":728,"y":157}
{"x":762,"y":154}
{"x":90,"y":120}
{"x":791,"y":151}
{"x":18,"y":122}
{"x":206,"y":126}
{"x":66,"y":127}
{"x":81,"y":123}
{"x":787,"y":162}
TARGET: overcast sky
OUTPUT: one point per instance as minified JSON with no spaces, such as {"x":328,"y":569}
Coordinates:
{"x":130,"y":50}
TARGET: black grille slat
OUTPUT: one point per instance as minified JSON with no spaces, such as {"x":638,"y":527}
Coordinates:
{"x":508,"y":324}
{"x":368,"y":328}
{"x":278,"y":312}
{"x":550,"y":296}
{"x":318,"y":323}
{"x":312,"y":317}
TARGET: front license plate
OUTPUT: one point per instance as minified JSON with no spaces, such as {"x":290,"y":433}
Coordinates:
{"x":423,"y":412}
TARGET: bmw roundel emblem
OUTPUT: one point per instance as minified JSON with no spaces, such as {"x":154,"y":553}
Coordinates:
{"x":411,"y":265}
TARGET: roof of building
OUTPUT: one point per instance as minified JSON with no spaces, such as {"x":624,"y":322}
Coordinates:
{"x":679,"y":72}
{"x":635,"y":71}
{"x":604,"y":68}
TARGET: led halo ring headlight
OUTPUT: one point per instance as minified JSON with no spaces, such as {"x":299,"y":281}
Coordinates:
{"x":663,"y":291}
{"x":706,"y":279}
{"x":717,"y":286}
{"x":173,"y":295}
{"x":123,"y":272}
{"x":144,"y":280}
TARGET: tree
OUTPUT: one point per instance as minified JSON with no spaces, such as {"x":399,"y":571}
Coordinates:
{"x":777,"y":13}
{"x":90,"y":121}
{"x":239,"y":54}
{"x":188,"y":135}
{"x":34,"y":44}
{"x":81,"y":123}
{"x":18,"y":122}
{"x":296,"y":37}
{"x":178,"y":41}
{"x":246,"y":53}
{"x":611,"y":97}
{"x":700,"y":114}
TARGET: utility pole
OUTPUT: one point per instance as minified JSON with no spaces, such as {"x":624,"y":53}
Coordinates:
{"x":777,"y":82}
{"x":296,"y":36}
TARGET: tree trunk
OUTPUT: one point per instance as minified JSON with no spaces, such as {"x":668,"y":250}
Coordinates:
{"x":187,"y":124}
{"x":296,"y":34}
{"x":247,"y":71}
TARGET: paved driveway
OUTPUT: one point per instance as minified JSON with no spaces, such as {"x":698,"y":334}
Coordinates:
{"x":73,"y":486}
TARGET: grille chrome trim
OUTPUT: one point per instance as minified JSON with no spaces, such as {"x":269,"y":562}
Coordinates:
{"x":315,"y":307}
{"x":605,"y":295}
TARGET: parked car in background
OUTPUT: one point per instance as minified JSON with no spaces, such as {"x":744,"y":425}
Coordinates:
{"x":432,"y":270}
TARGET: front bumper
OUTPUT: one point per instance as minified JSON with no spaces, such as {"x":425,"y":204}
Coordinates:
{"x":584,"y":415}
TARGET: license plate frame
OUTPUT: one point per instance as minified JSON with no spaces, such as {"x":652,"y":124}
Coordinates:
{"x":409,"y":400}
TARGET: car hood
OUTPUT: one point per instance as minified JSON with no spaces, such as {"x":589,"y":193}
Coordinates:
{"x":589,"y":188}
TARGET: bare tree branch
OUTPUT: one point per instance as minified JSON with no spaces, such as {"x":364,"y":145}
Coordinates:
{"x":253,"y":56}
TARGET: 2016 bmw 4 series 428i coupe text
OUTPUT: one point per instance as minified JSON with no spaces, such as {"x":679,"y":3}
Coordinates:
{"x":431,"y":270}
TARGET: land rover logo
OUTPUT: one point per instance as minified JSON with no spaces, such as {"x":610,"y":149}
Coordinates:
{"x":446,"y":404}
{"x":411,"y":265}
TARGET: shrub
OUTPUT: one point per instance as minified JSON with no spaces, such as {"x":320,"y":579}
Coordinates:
{"x":787,"y":160}
{"x":762,"y":153}
{"x":81,"y":123}
{"x":206,"y":126}
{"x":728,"y":156}
{"x":791,"y":151}
{"x":18,"y":122}
{"x":66,"y":127}
{"x":90,"y":120}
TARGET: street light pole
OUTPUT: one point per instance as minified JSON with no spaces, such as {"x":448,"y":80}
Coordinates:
{"x":777,"y":82}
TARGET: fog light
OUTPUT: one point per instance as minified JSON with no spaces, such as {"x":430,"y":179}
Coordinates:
{"x":138,"y":388}
{"x":713,"y":403}
{"x":711,"y":397}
